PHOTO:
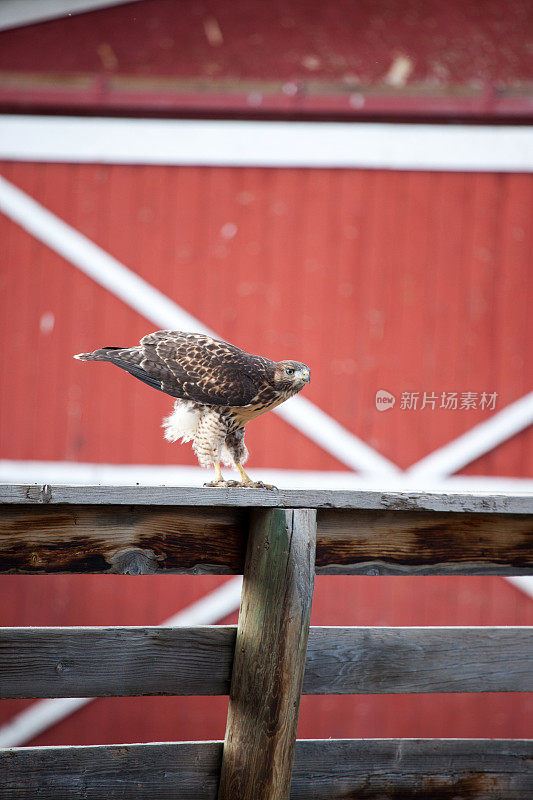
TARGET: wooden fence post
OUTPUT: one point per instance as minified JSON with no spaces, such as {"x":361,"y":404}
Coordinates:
{"x":269,"y":657}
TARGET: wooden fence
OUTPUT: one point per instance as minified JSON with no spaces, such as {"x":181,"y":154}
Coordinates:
{"x":278,"y":540}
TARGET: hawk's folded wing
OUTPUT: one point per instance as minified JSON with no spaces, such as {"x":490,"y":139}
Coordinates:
{"x":193,"y":367}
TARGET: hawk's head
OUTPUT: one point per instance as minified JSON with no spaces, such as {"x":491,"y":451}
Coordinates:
{"x":291,"y":376}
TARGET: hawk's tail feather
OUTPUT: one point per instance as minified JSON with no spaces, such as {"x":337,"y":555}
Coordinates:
{"x":97,"y":355}
{"x":127,"y":358}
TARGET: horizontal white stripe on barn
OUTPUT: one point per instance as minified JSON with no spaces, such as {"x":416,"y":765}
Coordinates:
{"x":68,"y":472}
{"x":267,"y":144}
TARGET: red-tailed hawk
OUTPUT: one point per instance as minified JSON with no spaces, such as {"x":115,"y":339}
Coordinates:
{"x":219,"y":389}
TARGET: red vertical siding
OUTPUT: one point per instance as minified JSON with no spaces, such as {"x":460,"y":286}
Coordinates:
{"x":404,"y":281}
{"x":395,"y":280}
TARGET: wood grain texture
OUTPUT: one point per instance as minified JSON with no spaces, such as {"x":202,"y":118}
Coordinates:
{"x":38,"y":538}
{"x":397,"y":660}
{"x":413,"y":769}
{"x":269,"y":661}
{"x":128,"y":661}
{"x":115,"y":662}
{"x":184,"y":770}
{"x":477,"y":502}
{"x":123,"y":539}
{"x":423,"y":543}
{"x":389,"y":769}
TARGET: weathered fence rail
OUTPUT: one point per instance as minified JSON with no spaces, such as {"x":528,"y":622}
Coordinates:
{"x":279,"y":540}
{"x":126,"y":662}
{"x":414,"y":769}
{"x":136,"y":530}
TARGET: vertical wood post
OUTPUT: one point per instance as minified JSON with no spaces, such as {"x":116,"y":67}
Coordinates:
{"x":269,"y":660}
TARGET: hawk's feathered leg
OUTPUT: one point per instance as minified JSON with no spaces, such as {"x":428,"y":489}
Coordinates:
{"x":234,"y":454}
{"x":208,"y":440}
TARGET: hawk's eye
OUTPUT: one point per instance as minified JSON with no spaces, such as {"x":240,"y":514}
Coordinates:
{"x":289,"y":371}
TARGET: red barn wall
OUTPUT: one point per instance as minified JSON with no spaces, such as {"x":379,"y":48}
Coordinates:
{"x":293,"y":57}
{"x":399,"y":280}
{"x":408,"y":281}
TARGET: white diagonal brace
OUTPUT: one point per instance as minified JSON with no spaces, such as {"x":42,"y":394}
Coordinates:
{"x":16,"y":13}
{"x":310,"y":420}
{"x":477,"y":441}
{"x":154,"y":305}
{"x":93,"y":260}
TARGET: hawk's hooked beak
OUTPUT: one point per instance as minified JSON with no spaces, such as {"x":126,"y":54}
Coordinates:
{"x":307,"y":376}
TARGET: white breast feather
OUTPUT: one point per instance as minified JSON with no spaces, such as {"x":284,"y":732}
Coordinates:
{"x":182,"y":423}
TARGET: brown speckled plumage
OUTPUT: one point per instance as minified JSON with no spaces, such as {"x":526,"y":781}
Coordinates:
{"x":219,"y":388}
